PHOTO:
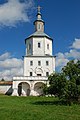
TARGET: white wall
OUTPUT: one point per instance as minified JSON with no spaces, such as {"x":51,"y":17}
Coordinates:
{"x":38,"y":51}
{"x":5,"y":89}
{"x":27,"y":68}
{"x":42,"y":51}
{"x":48,"y":51}
{"x":29,"y":51}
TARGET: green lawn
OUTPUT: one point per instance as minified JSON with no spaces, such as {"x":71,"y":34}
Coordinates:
{"x":36,"y":108}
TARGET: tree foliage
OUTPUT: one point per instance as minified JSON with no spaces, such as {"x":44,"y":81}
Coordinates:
{"x":66,"y":85}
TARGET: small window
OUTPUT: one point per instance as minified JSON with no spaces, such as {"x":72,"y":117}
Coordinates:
{"x":29,"y":46}
{"x":31,"y":63}
{"x":47,"y":46}
{"x":47,"y":63}
{"x":38,"y":74}
{"x":39,"y":26}
{"x":47,"y":73}
{"x":39,"y":63}
{"x":39,"y":45}
{"x":30,"y":73}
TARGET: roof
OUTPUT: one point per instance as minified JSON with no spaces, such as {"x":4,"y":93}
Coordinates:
{"x":41,"y":56}
{"x":6,"y":82}
{"x":39,"y":34}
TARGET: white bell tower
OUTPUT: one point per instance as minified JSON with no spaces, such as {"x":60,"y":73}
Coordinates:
{"x":39,"y":62}
{"x":39,"y":43}
{"x":39,"y":49}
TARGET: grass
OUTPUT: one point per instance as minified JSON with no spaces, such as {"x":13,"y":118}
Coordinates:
{"x":36,"y":108}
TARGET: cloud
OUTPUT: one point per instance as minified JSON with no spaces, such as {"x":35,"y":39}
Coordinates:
{"x":73,"y":53}
{"x":10,"y":67}
{"x":5,"y":56}
{"x":76,"y":44}
{"x":61,"y":61}
{"x":15,"y":11}
{"x":63,"y":58}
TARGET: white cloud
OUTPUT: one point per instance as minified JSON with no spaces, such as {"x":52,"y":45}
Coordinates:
{"x":5,"y":56}
{"x":11,"y":63}
{"x":73,"y":53}
{"x":61,"y":61}
{"x":76,"y":44}
{"x":63,"y":58}
{"x":14,"y":11}
{"x":10,"y":67}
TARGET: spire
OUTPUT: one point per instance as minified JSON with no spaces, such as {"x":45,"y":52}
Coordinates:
{"x":39,"y":13}
{"x":39,"y":23}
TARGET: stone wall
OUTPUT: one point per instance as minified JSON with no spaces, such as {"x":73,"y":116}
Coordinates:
{"x":6,"y":87}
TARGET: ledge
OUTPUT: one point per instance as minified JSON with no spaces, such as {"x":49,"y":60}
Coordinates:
{"x":31,"y":78}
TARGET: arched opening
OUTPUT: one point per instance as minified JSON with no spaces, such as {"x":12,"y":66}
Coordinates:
{"x":38,"y":88}
{"x":23,"y":89}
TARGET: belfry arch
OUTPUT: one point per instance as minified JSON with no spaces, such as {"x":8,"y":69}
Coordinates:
{"x":23,"y":89}
{"x":38,"y":88}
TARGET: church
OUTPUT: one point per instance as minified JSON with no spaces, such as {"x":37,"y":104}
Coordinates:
{"x":39,"y":62}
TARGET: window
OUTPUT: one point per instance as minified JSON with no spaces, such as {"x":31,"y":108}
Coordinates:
{"x":29,"y":46}
{"x":47,"y":63}
{"x":31,"y":63}
{"x":39,"y":26}
{"x":39,"y":63}
{"x":39,"y":45}
{"x":47,"y":73}
{"x":30,"y":73}
{"x":38,"y":74}
{"x":47,"y":46}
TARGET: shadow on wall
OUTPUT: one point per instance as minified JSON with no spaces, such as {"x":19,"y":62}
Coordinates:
{"x":10,"y":91}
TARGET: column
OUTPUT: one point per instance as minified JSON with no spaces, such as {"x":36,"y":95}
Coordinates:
{"x":15,"y":92}
{"x":32,"y":89}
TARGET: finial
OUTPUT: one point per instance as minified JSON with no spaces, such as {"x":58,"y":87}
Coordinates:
{"x":38,"y":8}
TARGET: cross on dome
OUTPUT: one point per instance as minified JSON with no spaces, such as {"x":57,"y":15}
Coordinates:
{"x":39,"y":9}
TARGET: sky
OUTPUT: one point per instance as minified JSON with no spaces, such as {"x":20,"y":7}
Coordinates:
{"x":62,"y":23}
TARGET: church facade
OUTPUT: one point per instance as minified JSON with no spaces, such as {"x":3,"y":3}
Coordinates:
{"x":39,"y":62}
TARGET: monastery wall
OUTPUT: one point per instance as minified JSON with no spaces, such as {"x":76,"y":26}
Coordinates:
{"x":6,"y":88}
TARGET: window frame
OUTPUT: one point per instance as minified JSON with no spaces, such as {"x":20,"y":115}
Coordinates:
{"x":39,"y":63}
{"x":48,"y":46}
{"x":31,"y":63}
{"x":47,"y":74}
{"x":31,"y":74}
{"x":47,"y":63}
{"x":39,"y":45}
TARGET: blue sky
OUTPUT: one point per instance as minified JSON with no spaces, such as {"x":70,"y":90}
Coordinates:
{"x":62,"y":23}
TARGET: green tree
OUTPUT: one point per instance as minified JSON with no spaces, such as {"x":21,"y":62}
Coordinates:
{"x":2,"y":79}
{"x":66,"y":85}
{"x":72,"y":75}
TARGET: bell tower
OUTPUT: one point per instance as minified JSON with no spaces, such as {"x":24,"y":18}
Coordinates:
{"x":39,"y":43}
{"x":39,"y":61}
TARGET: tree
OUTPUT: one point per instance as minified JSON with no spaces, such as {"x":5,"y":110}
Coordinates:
{"x":66,"y":85}
{"x":72,"y":75}
{"x":2,"y":79}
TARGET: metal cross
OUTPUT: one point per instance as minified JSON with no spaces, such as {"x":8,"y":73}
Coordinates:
{"x":39,"y":8}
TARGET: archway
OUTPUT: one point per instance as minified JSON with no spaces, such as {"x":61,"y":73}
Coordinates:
{"x":23,"y":89}
{"x":38,"y":88}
